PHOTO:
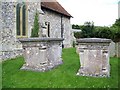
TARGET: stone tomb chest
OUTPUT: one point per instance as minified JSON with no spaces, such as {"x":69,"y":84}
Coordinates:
{"x":94,"y":57}
{"x":41,"y":54}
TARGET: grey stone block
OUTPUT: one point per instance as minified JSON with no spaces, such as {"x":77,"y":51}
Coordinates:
{"x":94,"y":57}
{"x":41,"y":54}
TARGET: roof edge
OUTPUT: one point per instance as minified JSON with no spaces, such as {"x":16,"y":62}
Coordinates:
{"x":56,"y":7}
{"x":57,"y":11}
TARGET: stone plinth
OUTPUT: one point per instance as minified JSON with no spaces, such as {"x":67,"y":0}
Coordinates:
{"x":94,"y":57}
{"x":117,"y":46}
{"x":41,"y":54}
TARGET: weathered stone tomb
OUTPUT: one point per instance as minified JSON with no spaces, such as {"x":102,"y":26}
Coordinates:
{"x":41,"y":54}
{"x":17,"y":21}
{"x":94,"y":57}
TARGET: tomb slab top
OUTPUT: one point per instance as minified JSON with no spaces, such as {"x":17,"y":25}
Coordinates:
{"x":93,"y":40}
{"x":40,"y":39}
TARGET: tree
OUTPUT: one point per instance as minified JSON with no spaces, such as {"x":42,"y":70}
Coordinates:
{"x":77,"y":35}
{"x":103,"y":32}
{"x":35,"y":29}
{"x":87,"y":30}
{"x":117,"y":23}
{"x":116,"y":30}
{"x":91,"y":31}
{"x":75,"y":26}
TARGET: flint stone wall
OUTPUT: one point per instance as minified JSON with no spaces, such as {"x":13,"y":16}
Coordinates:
{"x":55,"y":26}
{"x":10,"y":47}
{"x":94,"y":57}
{"x":41,"y":54}
{"x":8,"y":41}
{"x":31,"y":9}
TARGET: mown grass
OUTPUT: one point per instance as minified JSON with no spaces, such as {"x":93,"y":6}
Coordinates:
{"x":64,"y":76}
{"x":0,"y":75}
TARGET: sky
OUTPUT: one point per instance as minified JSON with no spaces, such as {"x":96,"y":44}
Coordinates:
{"x":101,"y":12}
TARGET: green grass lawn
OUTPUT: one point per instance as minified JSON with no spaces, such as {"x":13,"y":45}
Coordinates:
{"x":64,"y":76}
{"x":0,"y":75}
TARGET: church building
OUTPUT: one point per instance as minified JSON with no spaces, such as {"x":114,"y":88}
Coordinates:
{"x":17,"y":21}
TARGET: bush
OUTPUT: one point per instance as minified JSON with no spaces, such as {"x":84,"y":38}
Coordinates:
{"x":77,"y":35}
{"x":87,"y":30}
{"x":91,"y":31}
{"x":116,"y":30}
{"x":73,"y":44}
{"x":76,"y":26}
{"x":35,"y":29}
{"x":103,"y":32}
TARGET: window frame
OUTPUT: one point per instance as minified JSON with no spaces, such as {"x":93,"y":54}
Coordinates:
{"x":21,"y":21}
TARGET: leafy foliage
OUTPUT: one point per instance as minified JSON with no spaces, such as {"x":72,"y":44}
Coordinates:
{"x":103,"y":32}
{"x":116,"y":30}
{"x":91,"y":31}
{"x":73,"y":44}
{"x":87,"y":30}
{"x":75,"y":26}
{"x":77,"y":35}
{"x":35,"y":29}
{"x":117,"y":23}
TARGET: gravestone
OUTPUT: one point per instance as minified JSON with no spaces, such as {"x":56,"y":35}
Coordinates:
{"x":94,"y":57}
{"x":41,"y":54}
{"x":117,"y":49}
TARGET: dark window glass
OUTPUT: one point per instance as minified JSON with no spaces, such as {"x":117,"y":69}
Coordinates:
{"x":18,"y":19}
{"x":62,"y":30}
{"x":24,"y":21}
{"x":48,"y":29}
